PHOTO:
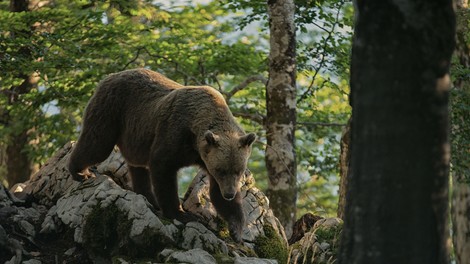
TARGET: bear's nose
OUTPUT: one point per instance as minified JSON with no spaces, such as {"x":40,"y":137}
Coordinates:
{"x":229,"y":196}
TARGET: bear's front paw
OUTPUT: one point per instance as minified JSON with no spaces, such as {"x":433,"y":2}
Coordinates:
{"x":186,"y":217}
{"x":235,"y":230}
{"x":82,"y":176}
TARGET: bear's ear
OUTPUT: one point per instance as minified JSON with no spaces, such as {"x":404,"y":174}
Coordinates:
{"x":211,"y":138}
{"x":248,"y":139}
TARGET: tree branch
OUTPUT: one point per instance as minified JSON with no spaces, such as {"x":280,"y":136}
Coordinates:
{"x":133,"y":59}
{"x":244,"y":84}
{"x":323,"y":57}
{"x":255,"y":117}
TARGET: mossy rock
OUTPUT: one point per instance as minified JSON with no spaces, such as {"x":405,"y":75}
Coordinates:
{"x":330,"y":235}
{"x":106,"y":233}
{"x":271,"y":245}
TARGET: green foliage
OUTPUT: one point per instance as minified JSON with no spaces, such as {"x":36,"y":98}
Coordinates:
{"x":65,"y":51}
{"x":460,"y":102}
{"x":271,"y":245}
{"x":71,"y":45}
{"x":460,"y":114}
{"x":323,"y":50}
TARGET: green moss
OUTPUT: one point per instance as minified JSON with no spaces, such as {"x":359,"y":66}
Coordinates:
{"x":165,"y":221}
{"x":223,"y":259}
{"x":271,"y":245}
{"x":222,"y":228}
{"x":330,"y":235}
{"x":103,"y":230}
{"x":106,"y":234}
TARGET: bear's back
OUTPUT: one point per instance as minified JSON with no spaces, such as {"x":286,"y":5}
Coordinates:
{"x":137,"y":82}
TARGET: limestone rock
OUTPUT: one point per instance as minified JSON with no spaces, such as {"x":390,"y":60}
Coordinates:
{"x":74,"y":209}
{"x":193,"y":256}
{"x":255,"y":207}
{"x":251,"y":260}
{"x":101,"y":217}
{"x":196,"y":235}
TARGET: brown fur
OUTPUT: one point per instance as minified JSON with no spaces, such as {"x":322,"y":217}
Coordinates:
{"x":161,"y":126}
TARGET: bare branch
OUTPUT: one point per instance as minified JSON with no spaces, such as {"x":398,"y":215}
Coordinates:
{"x":244,"y":84}
{"x":255,"y":117}
{"x":323,"y":57}
{"x":133,"y":59}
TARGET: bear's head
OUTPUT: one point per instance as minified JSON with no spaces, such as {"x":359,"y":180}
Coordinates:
{"x":226,"y":156}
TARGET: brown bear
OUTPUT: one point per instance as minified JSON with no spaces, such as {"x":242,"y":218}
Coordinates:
{"x":161,"y":126}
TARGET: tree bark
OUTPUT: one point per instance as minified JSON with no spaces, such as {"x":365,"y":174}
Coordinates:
{"x":17,"y":161}
{"x":344,"y":159}
{"x":397,"y":197}
{"x":461,"y":142}
{"x":281,"y":113}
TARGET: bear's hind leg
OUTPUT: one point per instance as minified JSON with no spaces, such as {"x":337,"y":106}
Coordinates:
{"x":142,"y":184}
{"x":93,"y":146}
{"x":231,"y":211}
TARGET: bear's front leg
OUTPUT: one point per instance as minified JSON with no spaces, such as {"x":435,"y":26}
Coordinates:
{"x":166,"y":190}
{"x":231,"y":211}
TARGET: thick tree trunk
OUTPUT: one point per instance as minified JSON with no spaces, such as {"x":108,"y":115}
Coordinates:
{"x":17,"y":161}
{"x":281,"y":113}
{"x":461,"y":142}
{"x":344,"y":159}
{"x":397,"y":197}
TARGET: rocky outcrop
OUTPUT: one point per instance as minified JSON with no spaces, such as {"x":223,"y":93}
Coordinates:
{"x":59,"y":220}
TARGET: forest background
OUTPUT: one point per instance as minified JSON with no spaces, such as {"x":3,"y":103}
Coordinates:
{"x":53,"y":56}
{"x":53,"y":53}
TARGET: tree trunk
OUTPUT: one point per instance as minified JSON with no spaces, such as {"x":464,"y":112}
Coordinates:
{"x":397,"y":197}
{"x":281,"y":113}
{"x":344,"y":159}
{"x":461,"y":142}
{"x":17,"y":161}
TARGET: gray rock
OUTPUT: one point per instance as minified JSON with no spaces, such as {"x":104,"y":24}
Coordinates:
{"x":29,"y":214}
{"x":196,"y":235}
{"x":51,"y":222}
{"x":255,"y":206}
{"x":68,"y":204}
{"x":74,"y":207}
{"x":27,"y":228}
{"x":5,"y":197}
{"x":52,"y":181}
{"x":3,"y":238}
{"x":70,"y":251}
{"x":32,"y":261}
{"x":192,"y":256}
{"x":251,"y":260}
{"x":116,"y":168}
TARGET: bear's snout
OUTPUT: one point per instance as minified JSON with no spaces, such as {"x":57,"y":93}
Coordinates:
{"x":229,"y":196}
